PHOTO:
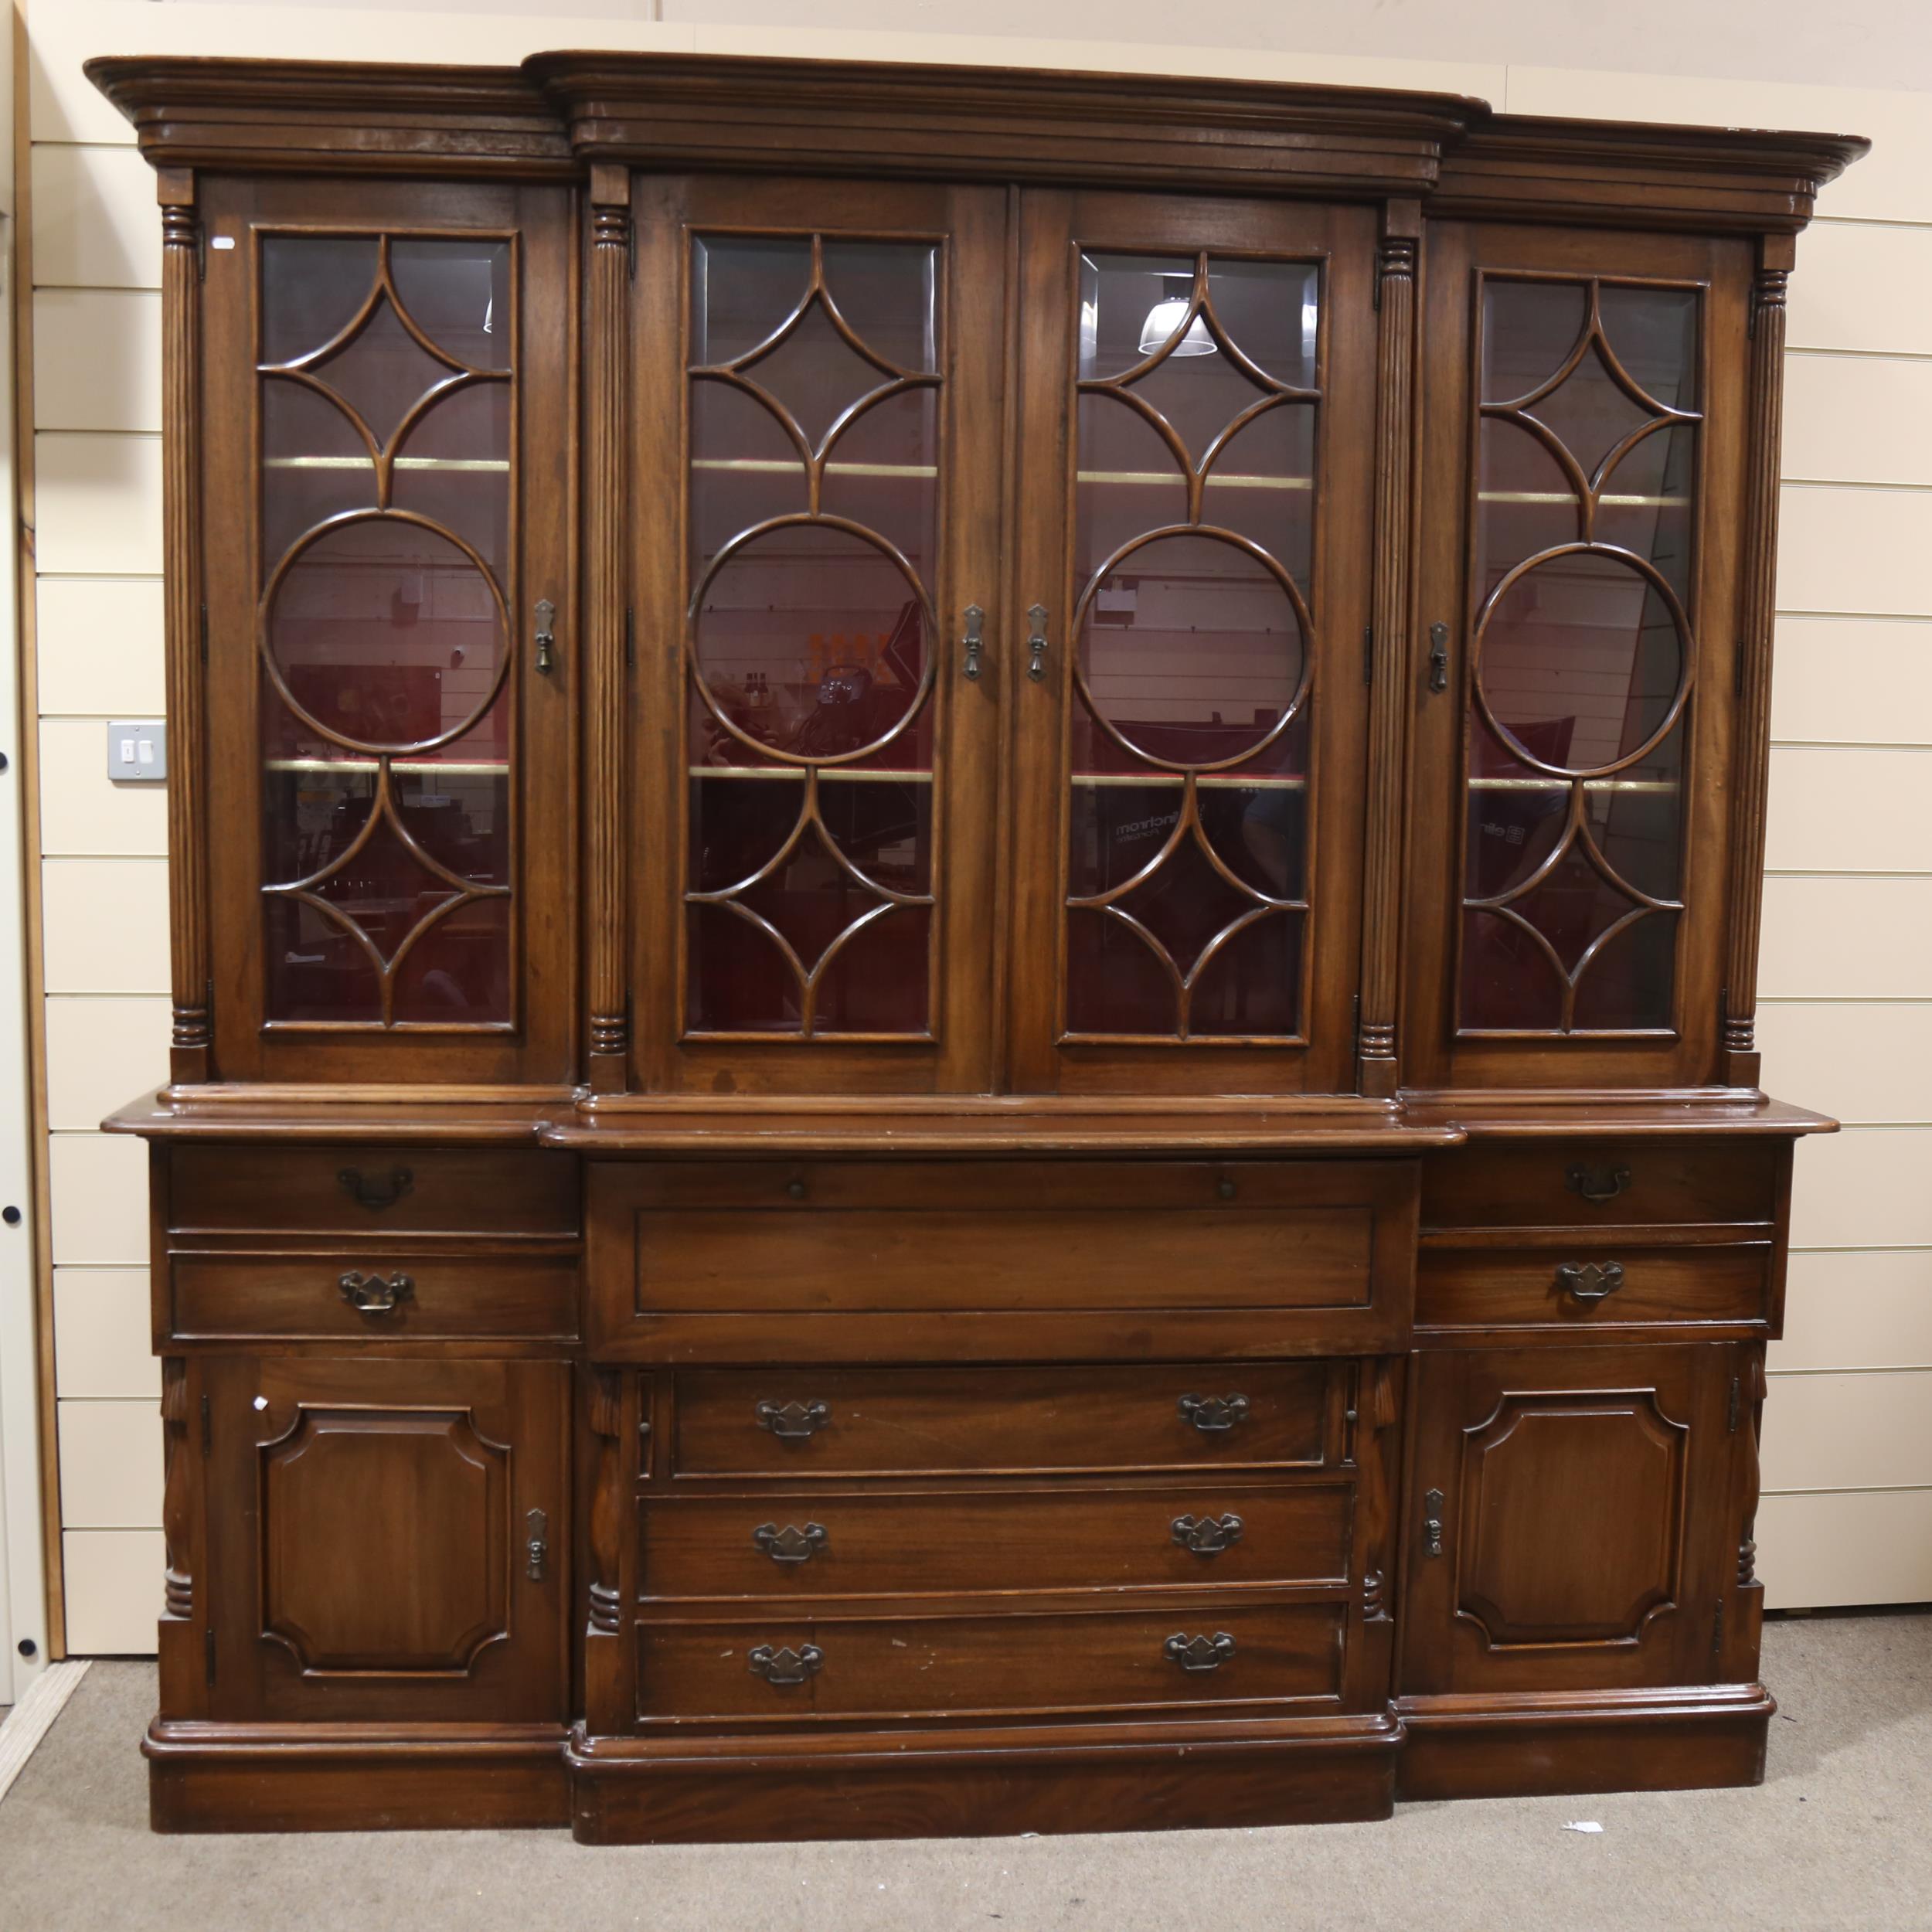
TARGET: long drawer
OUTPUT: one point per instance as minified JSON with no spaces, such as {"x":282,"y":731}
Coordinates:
{"x":788,"y":1544}
{"x":376,"y":1190}
{"x":371,"y":1294}
{"x":1577,"y":1286}
{"x":999,"y":1260}
{"x":781,"y":1667}
{"x":789,"y":1423}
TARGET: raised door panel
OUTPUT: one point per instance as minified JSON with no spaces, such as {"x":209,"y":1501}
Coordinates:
{"x":1581,"y":461}
{"x":1193,"y":499}
{"x":1568,"y":1519}
{"x":817,"y":370}
{"x":388,"y":1539}
{"x":391,"y":647}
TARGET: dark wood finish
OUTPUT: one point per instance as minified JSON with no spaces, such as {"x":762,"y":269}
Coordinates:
{"x":984,"y":1782}
{"x":368,"y":1557}
{"x":952,"y":1372}
{"x":238,"y":1296}
{"x":965,"y":1543}
{"x":371,"y":1193}
{"x":1529,"y":1288}
{"x":945,"y":1421}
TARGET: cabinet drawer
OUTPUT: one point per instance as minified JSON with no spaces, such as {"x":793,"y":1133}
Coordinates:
{"x":863,"y":1422}
{"x":939,"y":1666}
{"x":329,"y":1296}
{"x":1505,"y":1287}
{"x":1609,"y":1183}
{"x":375,"y":1190}
{"x":996,"y":1260}
{"x":787,"y":1545}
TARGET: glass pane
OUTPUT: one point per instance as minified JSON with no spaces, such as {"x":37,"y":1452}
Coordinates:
{"x":808,"y":651}
{"x":1262,"y":486}
{"x":1571,"y":875}
{"x":1192,"y":653}
{"x":387,"y":721}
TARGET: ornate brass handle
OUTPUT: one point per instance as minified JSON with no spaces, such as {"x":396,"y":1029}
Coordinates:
{"x":1432,"y":1523}
{"x":373,"y":1295}
{"x":536,"y":1548}
{"x":789,"y":1545}
{"x":1590,"y":1280}
{"x":1207,"y":1535}
{"x":975,"y":616}
{"x":378,"y":1194}
{"x":1198,"y":1653}
{"x":792,"y":1421}
{"x":786,"y":1665}
{"x":1597,"y":1184}
{"x":1214,"y":1415}
{"x":1036,"y":641}
{"x":546,"y":635}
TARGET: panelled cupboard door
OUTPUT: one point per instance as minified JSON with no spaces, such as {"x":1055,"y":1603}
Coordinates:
{"x":1579,"y":520}
{"x":387,"y":1539}
{"x":391,"y":646}
{"x":816,"y":370}
{"x":1573,"y":1520}
{"x":1193,"y":494}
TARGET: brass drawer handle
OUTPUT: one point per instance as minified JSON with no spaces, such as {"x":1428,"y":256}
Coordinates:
{"x":1198,"y":1653}
{"x":1590,"y":1280}
{"x":1207,"y":1535}
{"x":1214,"y":1415}
{"x":383,"y":1191}
{"x":789,"y":1545}
{"x":792,"y":1421}
{"x":373,"y":1295}
{"x":1597,"y":1184}
{"x":786,"y":1665}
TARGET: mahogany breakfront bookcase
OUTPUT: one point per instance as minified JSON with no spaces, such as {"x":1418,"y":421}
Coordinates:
{"x":965,"y":889}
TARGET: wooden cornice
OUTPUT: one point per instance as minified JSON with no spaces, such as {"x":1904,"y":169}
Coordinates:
{"x":559,"y":112}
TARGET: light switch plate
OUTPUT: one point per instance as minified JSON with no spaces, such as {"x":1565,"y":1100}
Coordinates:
{"x":138,"y":751}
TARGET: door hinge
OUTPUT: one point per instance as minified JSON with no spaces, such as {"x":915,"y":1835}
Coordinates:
{"x":1737,"y":1401}
{"x":207,"y":1425}
{"x":1737,"y":673}
{"x":208,"y":1655}
{"x":1368,"y":654}
{"x":204,"y":634}
{"x":629,"y":638}
{"x":631,"y":246}
{"x":1717,"y":1630}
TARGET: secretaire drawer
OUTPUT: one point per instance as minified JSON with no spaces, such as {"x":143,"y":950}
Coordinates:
{"x":1000,"y":1259}
{"x":1573,"y":1287}
{"x":372,"y":1295}
{"x":786,"y":1545}
{"x":372,"y":1190}
{"x":781,"y":1666}
{"x":1620,"y":1183}
{"x":786,"y":1423}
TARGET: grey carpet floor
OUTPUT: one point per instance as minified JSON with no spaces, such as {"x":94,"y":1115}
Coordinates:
{"x":1837,"y":1837}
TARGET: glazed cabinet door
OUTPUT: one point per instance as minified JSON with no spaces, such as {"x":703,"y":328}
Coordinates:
{"x":390,"y":643}
{"x":1575,"y":1517}
{"x":1194,"y":500}
{"x":387,"y":1539}
{"x":1579,"y":516}
{"x":818,"y":637}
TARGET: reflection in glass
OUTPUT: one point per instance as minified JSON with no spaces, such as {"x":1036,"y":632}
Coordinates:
{"x":386,"y":717}
{"x":1581,"y":657}
{"x":1194,"y":506}
{"x":814,"y":498}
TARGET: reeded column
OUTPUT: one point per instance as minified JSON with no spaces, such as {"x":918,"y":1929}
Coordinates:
{"x":603,"y":497}
{"x":1389,"y":692}
{"x":1757,"y":619}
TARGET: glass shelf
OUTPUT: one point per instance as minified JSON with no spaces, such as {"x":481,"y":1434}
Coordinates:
{"x":1171,"y":479}
{"x":446,"y":768}
{"x":1205,"y":781}
{"x":869,"y":774}
{"x":500,"y":465}
{"x":1552,"y":783}
{"x":778,"y":466}
{"x":1610,"y":500}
